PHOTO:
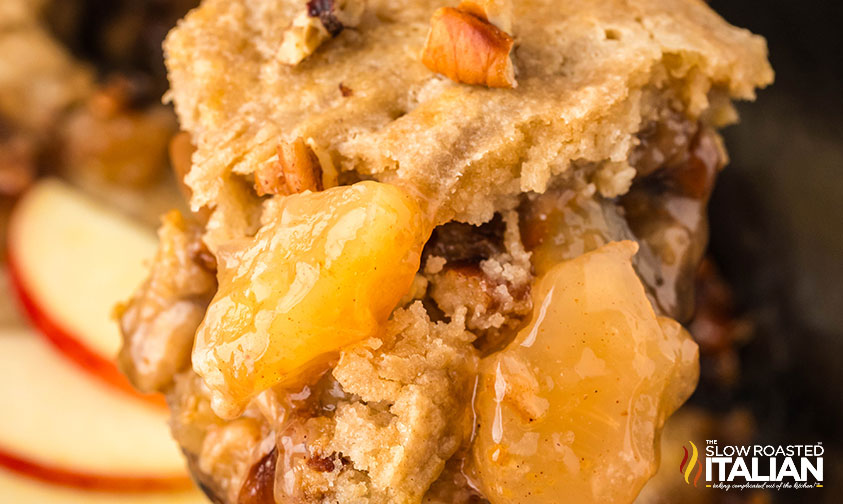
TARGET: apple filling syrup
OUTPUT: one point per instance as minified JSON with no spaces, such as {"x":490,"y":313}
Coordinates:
{"x":387,"y":417}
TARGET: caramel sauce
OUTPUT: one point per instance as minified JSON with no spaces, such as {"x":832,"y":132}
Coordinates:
{"x":260,"y":484}
{"x":574,"y":405}
{"x":666,"y":210}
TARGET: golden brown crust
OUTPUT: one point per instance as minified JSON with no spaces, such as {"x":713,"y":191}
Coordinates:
{"x":582,"y":95}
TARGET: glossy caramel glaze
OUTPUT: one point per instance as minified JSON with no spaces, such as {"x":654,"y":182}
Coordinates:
{"x":575,"y":404}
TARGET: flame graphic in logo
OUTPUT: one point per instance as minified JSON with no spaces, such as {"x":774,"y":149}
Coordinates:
{"x":687,"y":466}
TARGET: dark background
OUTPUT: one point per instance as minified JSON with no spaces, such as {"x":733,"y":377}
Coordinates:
{"x":777,"y":231}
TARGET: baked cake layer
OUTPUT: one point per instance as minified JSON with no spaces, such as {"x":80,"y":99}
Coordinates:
{"x":590,"y":74}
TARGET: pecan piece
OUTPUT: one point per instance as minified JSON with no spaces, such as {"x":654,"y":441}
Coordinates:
{"x":465,"y":47}
{"x":321,"y":20}
{"x":497,"y":12}
{"x":297,"y":170}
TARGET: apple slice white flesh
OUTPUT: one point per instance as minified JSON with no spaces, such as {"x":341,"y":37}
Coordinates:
{"x":62,"y":425}
{"x":22,"y":490}
{"x":71,"y":261}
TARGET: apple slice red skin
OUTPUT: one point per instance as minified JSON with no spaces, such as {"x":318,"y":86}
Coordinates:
{"x":93,"y":482}
{"x":87,"y":480}
{"x":69,"y":345}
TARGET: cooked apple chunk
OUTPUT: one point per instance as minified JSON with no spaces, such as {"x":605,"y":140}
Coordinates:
{"x":583,"y":389}
{"x":324,"y":271}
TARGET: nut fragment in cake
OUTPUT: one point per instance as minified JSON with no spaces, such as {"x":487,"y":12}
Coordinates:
{"x":159,"y":322}
{"x":465,"y":47}
{"x":497,"y":12}
{"x":297,"y":170}
{"x":321,"y":20}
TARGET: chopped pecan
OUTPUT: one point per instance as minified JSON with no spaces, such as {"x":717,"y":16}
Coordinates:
{"x":662,"y":143}
{"x":495,"y":307}
{"x":321,"y":20}
{"x":297,"y":170}
{"x":302,"y":39}
{"x":465,"y":47}
{"x":497,"y":12}
{"x":159,"y":322}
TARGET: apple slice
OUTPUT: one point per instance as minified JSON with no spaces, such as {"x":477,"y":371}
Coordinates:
{"x":60,"y":424}
{"x":21,"y":490}
{"x":71,"y":261}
